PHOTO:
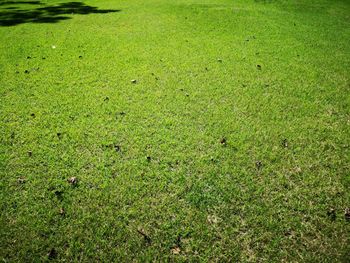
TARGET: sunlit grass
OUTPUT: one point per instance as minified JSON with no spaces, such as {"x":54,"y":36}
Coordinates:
{"x":180,"y":130}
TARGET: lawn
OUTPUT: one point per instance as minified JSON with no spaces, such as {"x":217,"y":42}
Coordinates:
{"x":175,"y":130}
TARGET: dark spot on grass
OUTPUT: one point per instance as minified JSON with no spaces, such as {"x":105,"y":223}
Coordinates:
{"x":258,"y":165}
{"x":30,"y":153}
{"x":347,"y":214}
{"x":149,"y":158}
{"x":29,"y":57}
{"x":133,"y":81}
{"x":117,"y":148}
{"x":178,"y":240}
{"x":32,"y":115}
{"x":59,"y":135}
{"x":14,"y":205}
{"x":332,"y":214}
{"x":106,"y":99}
{"x":26,"y":71}
{"x":59,"y":194}
{"x":43,"y":58}
{"x":219,"y":60}
{"x":146,"y":237}
{"x":258,"y":67}
{"x":223,"y":141}
{"x":17,"y":72}
{"x":52,"y":254}
{"x":288,"y":233}
{"x":80,"y":56}
{"x":285,"y":143}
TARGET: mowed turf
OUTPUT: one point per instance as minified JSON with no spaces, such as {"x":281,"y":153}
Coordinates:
{"x":211,"y":130}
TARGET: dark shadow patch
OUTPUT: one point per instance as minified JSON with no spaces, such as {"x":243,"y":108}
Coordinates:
{"x":46,"y":14}
{"x":20,"y":3}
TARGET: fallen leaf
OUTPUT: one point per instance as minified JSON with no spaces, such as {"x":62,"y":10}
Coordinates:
{"x":62,"y":212}
{"x":175,"y":250}
{"x":73,"y":180}
{"x":212,"y":219}
{"x":21,"y":180}
{"x":298,"y":170}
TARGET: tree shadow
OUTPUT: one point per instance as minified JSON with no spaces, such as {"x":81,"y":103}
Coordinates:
{"x":11,"y":16}
{"x":20,"y":2}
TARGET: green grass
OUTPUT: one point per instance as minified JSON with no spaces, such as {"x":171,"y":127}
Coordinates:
{"x":156,"y":179}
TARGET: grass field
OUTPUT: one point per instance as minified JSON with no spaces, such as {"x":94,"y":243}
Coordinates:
{"x":184,"y":130}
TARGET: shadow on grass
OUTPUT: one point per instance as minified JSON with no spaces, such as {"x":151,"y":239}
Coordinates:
{"x":19,"y":2}
{"x":11,"y":15}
